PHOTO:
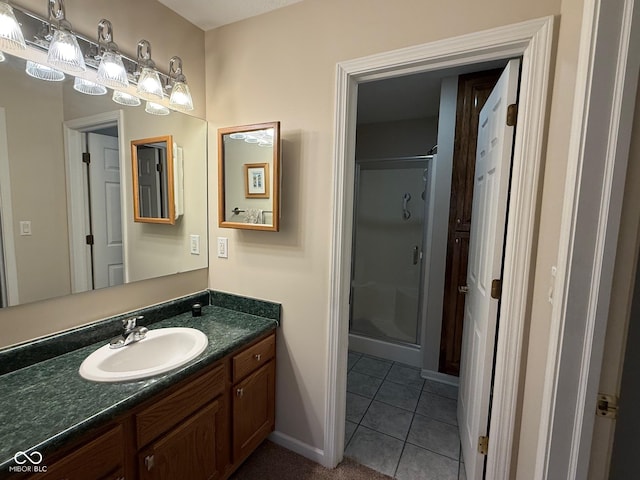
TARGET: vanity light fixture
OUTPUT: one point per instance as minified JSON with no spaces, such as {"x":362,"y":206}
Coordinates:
{"x":156,"y":109}
{"x":11,"y":37}
{"x":43,"y":72}
{"x":149,"y":86}
{"x":64,"y":51}
{"x":111,"y":71}
{"x":126,"y":99}
{"x":88,"y":88}
{"x":180,"y":94}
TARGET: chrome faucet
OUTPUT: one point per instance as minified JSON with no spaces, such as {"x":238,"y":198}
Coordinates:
{"x":131,"y":333}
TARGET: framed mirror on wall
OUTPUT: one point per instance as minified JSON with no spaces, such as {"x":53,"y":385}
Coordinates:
{"x":153,"y":180}
{"x":249,"y":177}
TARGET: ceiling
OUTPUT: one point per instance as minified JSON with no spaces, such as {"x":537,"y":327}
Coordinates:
{"x":399,"y":98}
{"x":208,"y":14}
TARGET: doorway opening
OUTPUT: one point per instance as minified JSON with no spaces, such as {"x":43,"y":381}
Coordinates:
{"x":94,"y":175}
{"x":411,"y":227}
{"x":532,"y":41}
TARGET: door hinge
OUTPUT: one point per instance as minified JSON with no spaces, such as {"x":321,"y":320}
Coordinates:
{"x":89,"y":239}
{"x":607,"y":406}
{"x":86,"y":158}
{"x":464,"y":289}
{"x":159,"y":167}
{"x":512,"y":114}
{"x":496,"y":288}
{"x":483,"y":445}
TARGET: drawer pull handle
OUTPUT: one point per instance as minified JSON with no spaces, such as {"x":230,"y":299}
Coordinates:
{"x":240,"y":392}
{"x":149,"y":462}
{"x":258,"y":357}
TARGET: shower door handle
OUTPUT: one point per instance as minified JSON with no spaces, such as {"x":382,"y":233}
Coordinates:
{"x":416,"y":254}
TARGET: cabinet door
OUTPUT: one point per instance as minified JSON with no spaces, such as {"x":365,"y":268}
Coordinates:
{"x":253,"y":411}
{"x":187,"y":451}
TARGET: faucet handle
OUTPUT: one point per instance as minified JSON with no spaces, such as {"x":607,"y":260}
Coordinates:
{"x":130,"y":323}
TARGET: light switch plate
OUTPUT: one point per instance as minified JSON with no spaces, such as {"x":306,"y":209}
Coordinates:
{"x":223,"y":247}
{"x":25,"y":227}
{"x":194,"y":244}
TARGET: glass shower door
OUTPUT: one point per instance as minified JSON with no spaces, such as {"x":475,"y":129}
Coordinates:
{"x":387,"y":249}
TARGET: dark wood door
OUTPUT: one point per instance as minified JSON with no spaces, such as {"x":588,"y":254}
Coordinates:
{"x":473,"y":91}
{"x":187,"y":451}
{"x":253,"y":410}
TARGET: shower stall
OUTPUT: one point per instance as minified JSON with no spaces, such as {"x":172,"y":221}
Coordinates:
{"x":387,"y":272}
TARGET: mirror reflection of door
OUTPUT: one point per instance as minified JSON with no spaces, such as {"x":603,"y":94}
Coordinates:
{"x":152,"y":163}
{"x":106,"y":221}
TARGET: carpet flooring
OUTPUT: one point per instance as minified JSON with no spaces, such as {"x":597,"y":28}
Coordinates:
{"x":272,"y":462}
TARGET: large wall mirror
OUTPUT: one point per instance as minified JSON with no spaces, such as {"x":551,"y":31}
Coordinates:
{"x":249,"y":177}
{"x":153,"y":180}
{"x":66,"y":185}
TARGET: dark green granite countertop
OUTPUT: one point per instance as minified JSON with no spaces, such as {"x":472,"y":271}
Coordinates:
{"x":45,"y":405}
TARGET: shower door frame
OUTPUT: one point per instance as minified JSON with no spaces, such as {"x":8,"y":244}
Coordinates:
{"x":425,"y":160}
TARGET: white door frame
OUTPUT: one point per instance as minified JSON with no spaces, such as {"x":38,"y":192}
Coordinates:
{"x":606,"y":87}
{"x":533,"y":41}
{"x":78,"y":217}
{"x":8,"y":241}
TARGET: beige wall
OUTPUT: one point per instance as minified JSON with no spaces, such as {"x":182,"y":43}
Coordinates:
{"x":169,"y":35}
{"x":36,"y":164}
{"x":293,"y":81}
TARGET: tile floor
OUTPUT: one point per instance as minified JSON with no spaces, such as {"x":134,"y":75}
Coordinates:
{"x":400,"y":424}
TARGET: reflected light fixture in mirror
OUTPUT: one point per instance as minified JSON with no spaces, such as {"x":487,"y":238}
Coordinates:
{"x":64,"y":51}
{"x":149,"y":86}
{"x":11,"y":37}
{"x":156,"y":109}
{"x":43,"y":72}
{"x":88,"y":88}
{"x":180,"y":93}
{"x":125,"y":99}
{"x":111,"y":71}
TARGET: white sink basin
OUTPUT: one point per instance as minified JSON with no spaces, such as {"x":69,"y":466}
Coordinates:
{"x":161,"y":350}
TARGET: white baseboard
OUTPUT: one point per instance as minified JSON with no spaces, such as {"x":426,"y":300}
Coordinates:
{"x":301,"y":448}
{"x":439,"y":377}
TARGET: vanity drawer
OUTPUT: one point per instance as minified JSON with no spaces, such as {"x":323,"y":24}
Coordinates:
{"x":253,"y":358}
{"x":102,"y":458}
{"x":173,"y":409}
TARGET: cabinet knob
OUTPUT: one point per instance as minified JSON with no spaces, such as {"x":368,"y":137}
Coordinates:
{"x":258,"y":357}
{"x":149,"y":462}
{"x":240,"y":392}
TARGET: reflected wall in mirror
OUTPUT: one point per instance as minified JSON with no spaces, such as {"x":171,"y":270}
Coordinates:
{"x":64,"y":154}
{"x":153,"y":180}
{"x":249,"y":177}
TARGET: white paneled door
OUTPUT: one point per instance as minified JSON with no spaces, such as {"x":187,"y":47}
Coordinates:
{"x":489,"y":214}
{"x":106,"y":221}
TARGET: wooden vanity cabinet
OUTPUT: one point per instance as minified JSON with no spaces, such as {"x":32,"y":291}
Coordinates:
{"x":203,"y":428}
{"x":253,"y":397}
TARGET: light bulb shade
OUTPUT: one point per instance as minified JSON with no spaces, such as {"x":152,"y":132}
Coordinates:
{"x":125,"y":99}
{"x":111,"y":71}
{"x":11,"y":37}
{"x":156,"y":109}
{"x":43,"y":72}
{"x":88,"y":88}
{"x":149,"y":86}
{"x":64,"y":52}
{"x":181,"y":97}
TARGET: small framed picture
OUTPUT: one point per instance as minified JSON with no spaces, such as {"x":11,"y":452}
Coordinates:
{"x":256,"y":180}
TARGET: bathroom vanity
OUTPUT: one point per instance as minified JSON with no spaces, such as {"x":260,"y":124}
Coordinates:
{"x":200,"y":421}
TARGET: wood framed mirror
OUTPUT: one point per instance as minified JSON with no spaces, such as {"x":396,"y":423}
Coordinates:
{"x":249,"y":177}
{"x":153,"y":183}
